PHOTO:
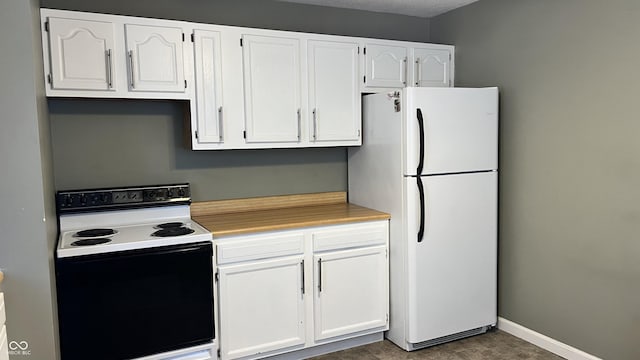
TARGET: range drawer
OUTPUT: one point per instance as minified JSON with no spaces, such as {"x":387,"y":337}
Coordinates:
{"x":351,"y":236}
{"x":257,"y":247}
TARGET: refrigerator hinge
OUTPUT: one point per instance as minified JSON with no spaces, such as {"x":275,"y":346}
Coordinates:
{"x":185,"y":84}
{"x":193,"y":37}
{"x":217,"y":277}
{"x":365,"y":79}
{"x":46,"y":26}
{"x":218,"y":353}
{"x":244,"y":134}
{"x":49,"y":78}
{"x":196,"y":132}
{"x":358,"y":49}
{"x":182,"y":37}
{"x":395,"y":95}
{"x":364,"y":51}
{"x":240,"y":41}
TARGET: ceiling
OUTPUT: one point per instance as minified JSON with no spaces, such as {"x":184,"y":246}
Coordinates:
{"x":420,"y":8}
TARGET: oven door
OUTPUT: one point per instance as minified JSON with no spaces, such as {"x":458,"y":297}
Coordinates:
{"x":135,"y":303}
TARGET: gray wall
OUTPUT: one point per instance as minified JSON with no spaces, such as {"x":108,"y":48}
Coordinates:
{"x":101,"y":143}
{"x":112,"y":143}
{"x":570,"y":164}
{"x":27,"y":215}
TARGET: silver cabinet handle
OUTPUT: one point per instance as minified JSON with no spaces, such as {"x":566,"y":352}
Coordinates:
{"x":417,"y":75}
{"x":131,"y":68}
{"x":404,"y":71}
{"x":315,"y":123}
{"x":109,"y":70}
{"x":299,"y":120}
{"x":220,"y":124}
{"x":320,"y":275}
{"x":302,"y":275}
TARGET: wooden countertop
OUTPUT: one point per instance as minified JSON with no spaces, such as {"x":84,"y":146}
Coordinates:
{"x":234,"y":217}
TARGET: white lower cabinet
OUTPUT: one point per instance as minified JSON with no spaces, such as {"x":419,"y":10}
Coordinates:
{"x":261,"y":306}
{"x":290,"y":290}
{"x":350,"y":295}
{"x":4,"y":349}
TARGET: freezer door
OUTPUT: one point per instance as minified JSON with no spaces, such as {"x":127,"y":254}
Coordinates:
{"x":459,"y":128}
{"x":452,"y":276}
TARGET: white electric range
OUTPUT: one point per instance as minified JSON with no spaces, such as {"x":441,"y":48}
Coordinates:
{"x":134,"y":275}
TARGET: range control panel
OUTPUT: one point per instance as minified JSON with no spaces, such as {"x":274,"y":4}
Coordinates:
{"x":122,"y":198}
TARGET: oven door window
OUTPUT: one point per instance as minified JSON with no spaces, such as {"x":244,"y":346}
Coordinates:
{"x":135,"y":303}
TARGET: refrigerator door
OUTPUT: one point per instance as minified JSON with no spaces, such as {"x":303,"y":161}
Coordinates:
{"x":459,"y":130}
{"x":452,"y":270}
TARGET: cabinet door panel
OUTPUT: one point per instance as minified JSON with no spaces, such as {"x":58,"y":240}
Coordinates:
{"x":81,"y":54}
{"x":155,"y":58}
{"x":208,"y":71}
{"x":4,"y":349}
{"x":433,"y":67}
{"x":272,"y":88}
{"x":261,"y":306}
{"x":386,"y":66}
{"x":351,"y":292}
{"x":333,"y":91}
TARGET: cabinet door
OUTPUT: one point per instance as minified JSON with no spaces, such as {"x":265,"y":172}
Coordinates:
{"x":261,"y":306}
{"x":4,"y":350}
{"x":155,"y":58}
{"x":81,"y":54}
{"x":386,"y":66}
{"x":334,"y":97}
{"x":351,"y":292}
{"x":432,"y":67}
{"x":271,"y":88}
{"x":208,"y":74}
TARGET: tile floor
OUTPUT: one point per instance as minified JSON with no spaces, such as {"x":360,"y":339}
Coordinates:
{"x":494,"y":345}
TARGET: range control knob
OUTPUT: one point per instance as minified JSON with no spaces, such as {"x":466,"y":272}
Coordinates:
{"x":170,"y":193}
{"x":182,"y":192}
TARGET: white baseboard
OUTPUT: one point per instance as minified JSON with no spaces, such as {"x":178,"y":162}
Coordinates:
{"x":543,"y":341}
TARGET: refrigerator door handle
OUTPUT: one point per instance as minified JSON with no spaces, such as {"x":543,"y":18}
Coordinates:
{"x":421,"y":130}
{"x":422,"y":209}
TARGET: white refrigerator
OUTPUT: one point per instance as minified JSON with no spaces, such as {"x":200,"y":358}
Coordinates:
{"x":430,"y":158}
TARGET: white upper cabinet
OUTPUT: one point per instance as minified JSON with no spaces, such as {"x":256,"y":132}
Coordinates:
{"x":386,"y":66}
{"x":208,"y":74}
{"x":334,"y":97}
{"x":247,"y":88}
{"x":271,"y":89}
{"x":432,"y":67}
{"x":155,"y":58}
{"x":82,"y":55}
{"x":109,"y":56}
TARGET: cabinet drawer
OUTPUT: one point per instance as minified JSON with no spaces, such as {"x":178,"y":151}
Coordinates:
{"x":3,"y":315}
{"x":350,"y":236}
{"x":4,"y":350}
{"x":260,"y":247}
